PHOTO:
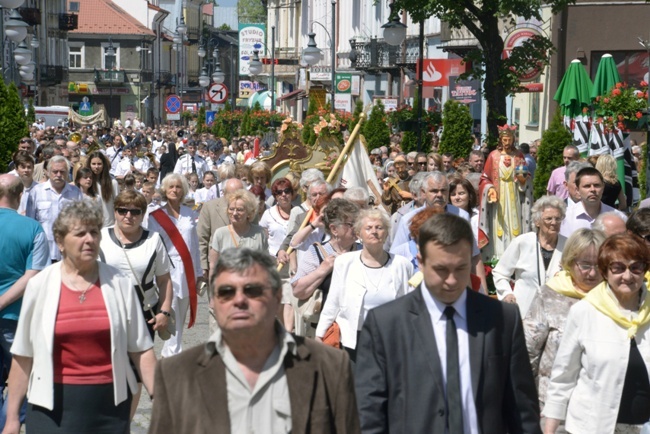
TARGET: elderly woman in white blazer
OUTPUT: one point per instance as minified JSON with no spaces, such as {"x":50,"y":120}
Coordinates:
{"x":79,"y":325}
{"x":363,"y":280}
{"x":600,"y":379}
{"x":533,"y":257}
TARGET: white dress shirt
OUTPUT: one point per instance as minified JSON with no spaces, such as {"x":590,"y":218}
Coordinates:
{"x":439,"y":321}
{"x":577,"y":218}
{"x":184,"y":165}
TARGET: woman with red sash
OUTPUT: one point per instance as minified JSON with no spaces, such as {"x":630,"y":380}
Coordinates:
{"x":176,"y":223}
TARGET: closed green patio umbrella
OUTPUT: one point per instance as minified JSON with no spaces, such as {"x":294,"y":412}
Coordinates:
{"x":574,"y":96}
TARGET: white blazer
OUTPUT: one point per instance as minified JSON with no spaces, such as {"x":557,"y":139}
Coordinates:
{"x":589,"y":370}
{"x":35,"y":332}
{"x":344,"y":302}
{"x":523,"y":258}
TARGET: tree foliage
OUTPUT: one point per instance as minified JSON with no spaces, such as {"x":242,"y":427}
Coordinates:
{"x":358,"y":109}
{"x":484,"y":21}
{"x":251,"y":11}
{"x":549,"y":153}
{"x":13,"y":124}
{"x":457,"y":124}
{"x":31,"y":112}
{"x":376,"y":130}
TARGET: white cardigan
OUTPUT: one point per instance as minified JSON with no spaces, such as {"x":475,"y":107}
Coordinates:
{"x":344,"y":302}
{"x":523,"y":258}
{"x":35,"y":331}
{"x":589,"y":370}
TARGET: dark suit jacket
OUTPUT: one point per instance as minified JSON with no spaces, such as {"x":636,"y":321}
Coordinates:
{"x":214,"y":215}
{"x":399,"y":377}
{"x":191,"y":395}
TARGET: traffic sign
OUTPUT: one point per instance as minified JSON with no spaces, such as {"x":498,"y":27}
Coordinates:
{"x":209,"y":118}
{"x":173,"y":104}
{"x":218,"y":93}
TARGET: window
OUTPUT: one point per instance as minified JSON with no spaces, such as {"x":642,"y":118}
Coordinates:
{"x":111,"y":62}
{"x":76,"y":56}
{"x":533,"y":113}
{"x":73,"y":7}
{"x":632,"y":65}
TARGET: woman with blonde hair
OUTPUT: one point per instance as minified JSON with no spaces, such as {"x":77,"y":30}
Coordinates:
{"x":434,"y":162}
{"x":606,"y":165}
{"x":241,"y":232}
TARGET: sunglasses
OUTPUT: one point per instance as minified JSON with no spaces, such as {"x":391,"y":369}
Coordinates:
{"x":637,"y":268}
{"x":227,"y":293}
{"x":286,"y":191}
{"x":124,"y":211}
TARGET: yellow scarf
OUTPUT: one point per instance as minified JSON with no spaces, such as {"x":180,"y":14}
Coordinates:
{"x":416,"y":279}
{"x":604,"y":301}
{"x":563,"y":284}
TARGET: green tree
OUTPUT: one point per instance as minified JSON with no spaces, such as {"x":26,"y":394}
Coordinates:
{"x":31,"y":112}
{"x":549,"y":153}
{"x":484,"y":21}
{"x":200,"y":120}
{"x":376,"y":130}
{"x":13,"y":123}
{"x":358,"y":109}
{"x":251,"y":11}
{"x":457,"y":130}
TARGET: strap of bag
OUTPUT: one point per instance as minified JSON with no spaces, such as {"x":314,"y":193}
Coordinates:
{"x":321,"y":249}
{"x":232,"y":235}
{"x":177,"y":240}
{"x":137,"y":285}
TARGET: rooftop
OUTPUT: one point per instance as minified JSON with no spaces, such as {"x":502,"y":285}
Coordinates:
{"x":106,"y":18}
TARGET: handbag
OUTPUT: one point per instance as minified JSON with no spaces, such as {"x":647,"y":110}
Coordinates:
{"x":310,"y":309}
{"x":150,"y":300}
{"x":332,"y":336}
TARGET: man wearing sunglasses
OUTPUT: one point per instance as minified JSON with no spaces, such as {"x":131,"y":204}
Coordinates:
{"x":252,"y":375}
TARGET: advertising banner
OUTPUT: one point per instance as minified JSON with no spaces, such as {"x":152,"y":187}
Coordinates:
{"x":344,"y":83}
{"x":249,"y":35}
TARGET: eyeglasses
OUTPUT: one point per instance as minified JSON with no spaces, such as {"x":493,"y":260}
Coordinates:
{"x":548,"y":220}
{"x":124,"y":211}
{"x":637,"y":268}
{"x":646,"y":238}
{"x":348,"y":224}
{"x":227,"y":293}
{"x":286,"y":191}
{"x":422,"y":163}
{"x":586,"y":266}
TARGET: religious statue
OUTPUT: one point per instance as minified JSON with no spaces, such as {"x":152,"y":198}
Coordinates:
{"x":396,"y":189}
{"x":506,"y":195}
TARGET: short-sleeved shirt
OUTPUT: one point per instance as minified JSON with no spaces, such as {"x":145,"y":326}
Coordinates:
{"x":276,"y":227}
{"x":255,"y":239}
{"x":24,"y":247}
{"x":44,"y":205}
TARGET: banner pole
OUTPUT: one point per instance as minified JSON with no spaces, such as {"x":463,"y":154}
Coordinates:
{"x":332,"y":175}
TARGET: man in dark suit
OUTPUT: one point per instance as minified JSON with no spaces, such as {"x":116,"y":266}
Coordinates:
{"x":252,"y":375}
{"x":444,"y":359}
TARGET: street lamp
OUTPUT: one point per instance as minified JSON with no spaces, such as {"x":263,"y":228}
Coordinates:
{"x":204,"y":79}
{"x":218,"y":75}
{"x":15,"y":27}
{"x":11,"y":4}
{"x":312,"y":54}
{"x":394,"y":34}
{"x":255,"y":66}
{"x":22,"y":54}
{"x":110,"y":52}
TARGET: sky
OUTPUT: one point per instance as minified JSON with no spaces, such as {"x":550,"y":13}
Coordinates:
{"x":227,"y":2}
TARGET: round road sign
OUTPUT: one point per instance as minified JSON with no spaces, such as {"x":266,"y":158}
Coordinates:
{"x":218,"y":93}
{"x":173,"y":104}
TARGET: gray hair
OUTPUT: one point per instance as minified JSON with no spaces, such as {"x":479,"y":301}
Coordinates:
{"x":575,"y":167}
{"x":167,"y":181}
{"x":81,"y":211}
{"x":599,"y":223}
{"x":544,"y":202}
{"x":226,"y":171}
{"x":339,"y":211}
{"x":357,"y":195}
{"x":372,"y":214}
{"x":241,"y":259}
{"x":412,"y":154}
{"x":416,"y":183}
{"x":309,"y":176}
{"x":436,"y":176}
{"x":318,"y":183}
{"x":58,"y":159}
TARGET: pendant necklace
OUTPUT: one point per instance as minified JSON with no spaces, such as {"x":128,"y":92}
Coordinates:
{"x":82,"y":297}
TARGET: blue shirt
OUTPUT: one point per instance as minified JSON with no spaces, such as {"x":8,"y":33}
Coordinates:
{"x":24,"y":247}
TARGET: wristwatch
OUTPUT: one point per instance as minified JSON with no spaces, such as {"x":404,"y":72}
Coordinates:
{"x":164,"y":312}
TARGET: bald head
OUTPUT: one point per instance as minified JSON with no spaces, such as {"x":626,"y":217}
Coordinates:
{"x":611,"y":223}
{"x":10,"y":189}
{"x":232,"y":185}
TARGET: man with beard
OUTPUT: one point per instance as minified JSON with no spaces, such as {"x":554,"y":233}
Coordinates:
{"x":396,"y":190}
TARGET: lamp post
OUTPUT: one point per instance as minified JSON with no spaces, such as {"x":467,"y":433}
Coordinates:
{"x":646,"y":45}
{"x":272,"y":68}
{"x":110,"y":52}
{"x":395,"y":34}
{"x":312,"y":54}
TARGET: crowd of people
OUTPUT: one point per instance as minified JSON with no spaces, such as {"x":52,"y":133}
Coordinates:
{"x":330,"y":310}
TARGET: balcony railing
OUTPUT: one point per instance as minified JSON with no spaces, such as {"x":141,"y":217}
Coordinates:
{"x":68,"y":22}
{"x":51,"y":75}
{"x":104,"y":76}
{"x":164,"y":78}
{"x":31,"y":16}
{"x":374,"y":56}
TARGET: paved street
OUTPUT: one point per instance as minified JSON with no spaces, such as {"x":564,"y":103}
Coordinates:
{"x":192,"y":337}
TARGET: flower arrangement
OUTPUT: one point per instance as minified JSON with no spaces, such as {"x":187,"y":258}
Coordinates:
{"x":290,"y":126}
{"x":623,"y":104}
{"x":322,"y":123}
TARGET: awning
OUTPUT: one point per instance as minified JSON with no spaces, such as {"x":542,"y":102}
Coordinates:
{"x":296,"y":94}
